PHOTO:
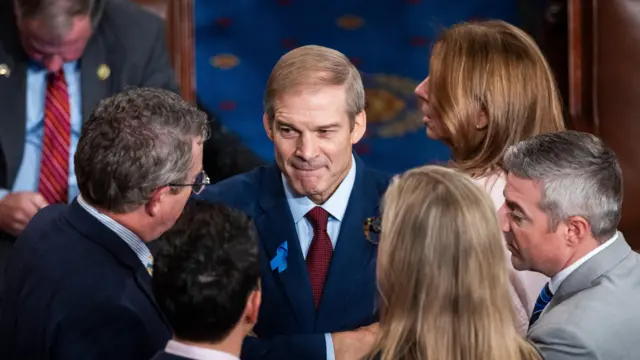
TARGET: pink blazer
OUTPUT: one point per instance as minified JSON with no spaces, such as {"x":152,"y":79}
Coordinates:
{"x":525,"y":285}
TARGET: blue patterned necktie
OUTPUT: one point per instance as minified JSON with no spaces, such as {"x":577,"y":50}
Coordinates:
{"x":543,"y":299}
{"x":150,"y":265}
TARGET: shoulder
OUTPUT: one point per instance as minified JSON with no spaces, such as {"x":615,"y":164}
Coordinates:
{"x":575,"y":322}
{"x":379,"y":179}
{"x":38,"y":234}
{"x":128,"y":24}
{"x":558,"y":341}
{"x":239,"y":190}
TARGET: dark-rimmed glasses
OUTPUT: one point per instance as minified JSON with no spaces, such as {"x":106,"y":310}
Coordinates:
{"x":198,"y":184}
{"x":372,"y":230}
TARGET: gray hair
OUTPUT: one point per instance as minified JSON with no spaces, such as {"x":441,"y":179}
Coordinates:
{"x":57,"y":15}
{"x":315,"y":66}
{"x":579,"y":174}
{"x":133,"y":143}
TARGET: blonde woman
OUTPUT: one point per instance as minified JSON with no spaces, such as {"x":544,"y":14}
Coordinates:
{"x":442,"y":273}
{"x":490,"y":87}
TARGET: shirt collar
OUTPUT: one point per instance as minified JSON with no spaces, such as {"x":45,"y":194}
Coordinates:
{"x":336,"y":205}
{"x":196,"y":352}
{"x":135,"y":243}
{"x":556,"y":281}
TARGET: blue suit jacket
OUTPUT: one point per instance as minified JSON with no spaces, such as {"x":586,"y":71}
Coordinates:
{"x":289,"y":326}
{"x":75,"y":290}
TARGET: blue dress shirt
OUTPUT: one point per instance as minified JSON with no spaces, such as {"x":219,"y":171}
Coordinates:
{"x":336,"y":206}
{"x":28,"y":175}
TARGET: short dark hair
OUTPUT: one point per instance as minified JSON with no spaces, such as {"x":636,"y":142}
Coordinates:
{"x":205,"y":271}
{"x":133,"y":143}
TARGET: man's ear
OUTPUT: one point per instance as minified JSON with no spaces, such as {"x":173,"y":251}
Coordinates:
{"x":252,"y":309}
{"x":359,"y":127}
{"x":152,"y":207}
{"x":578,"y":228}
{"x":267,"y":126}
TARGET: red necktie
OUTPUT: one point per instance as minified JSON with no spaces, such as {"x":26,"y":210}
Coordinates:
{"x":320,"y":251}
{"x":54,"y":166}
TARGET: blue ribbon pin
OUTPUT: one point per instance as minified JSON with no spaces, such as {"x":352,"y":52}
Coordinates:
{"x":280,"y":260}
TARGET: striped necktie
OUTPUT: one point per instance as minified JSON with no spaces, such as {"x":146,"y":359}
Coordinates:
{"x":54,"y":165}
{"x":543,"y":299}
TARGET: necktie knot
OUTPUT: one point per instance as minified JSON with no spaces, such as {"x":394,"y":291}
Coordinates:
{"x":55,"y":77}
{"x":319,"y":218}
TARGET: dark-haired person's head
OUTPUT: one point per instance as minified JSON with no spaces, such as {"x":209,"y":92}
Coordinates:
{"x":206,"y":276}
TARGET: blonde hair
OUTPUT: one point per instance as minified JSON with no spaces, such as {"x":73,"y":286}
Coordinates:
{"x":442,"y":273}
{"x":315,"y":66}
{"x":495,"y":68}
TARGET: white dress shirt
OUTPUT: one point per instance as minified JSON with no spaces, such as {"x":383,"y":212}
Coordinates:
{"x":196,"y":352}
{"x":555,"y":282}
{"x":336,"y":206}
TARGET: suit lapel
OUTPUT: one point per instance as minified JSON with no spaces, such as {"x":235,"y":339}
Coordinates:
{"x":585,"y":275}
{"x":93,"y":88}
{"x":13,"y":94}
{"x":276,"y":226}
{"x":353,"y":252}
{"x":95,"y":231}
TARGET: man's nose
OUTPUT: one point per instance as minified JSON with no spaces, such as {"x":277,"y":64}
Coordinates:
{"x":307,"y":147}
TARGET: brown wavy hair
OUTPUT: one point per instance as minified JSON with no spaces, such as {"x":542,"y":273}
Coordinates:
{"x":497,"y":69}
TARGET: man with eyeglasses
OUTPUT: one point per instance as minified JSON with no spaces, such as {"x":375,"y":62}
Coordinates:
{"x":78,"y":283}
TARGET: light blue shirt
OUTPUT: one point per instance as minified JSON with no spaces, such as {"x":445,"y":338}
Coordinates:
{"x":336,"y":206}
{"x":135,"y":243}
{"x":28,"y":175}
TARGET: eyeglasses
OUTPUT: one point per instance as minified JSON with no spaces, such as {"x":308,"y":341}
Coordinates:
{"x":372,"y":230}
{"x":198,"y":184}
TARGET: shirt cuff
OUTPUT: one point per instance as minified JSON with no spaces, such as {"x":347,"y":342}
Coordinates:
{"x":330,"y":351}
{"x":3,"y":193}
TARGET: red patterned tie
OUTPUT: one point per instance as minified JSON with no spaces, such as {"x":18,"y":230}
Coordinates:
{"x":320,"y":251}
{"x":54,"y":166}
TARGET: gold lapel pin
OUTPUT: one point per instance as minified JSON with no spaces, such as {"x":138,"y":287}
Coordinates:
{"x":4,"y":70}
{"x":103,"y":72}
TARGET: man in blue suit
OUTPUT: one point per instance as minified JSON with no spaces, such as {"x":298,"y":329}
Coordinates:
{"x":317,"y":267}
{"x":78,"y":282}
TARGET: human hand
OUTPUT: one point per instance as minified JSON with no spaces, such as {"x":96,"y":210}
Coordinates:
{"x":17,"y":209}
{"x":356,"y":344}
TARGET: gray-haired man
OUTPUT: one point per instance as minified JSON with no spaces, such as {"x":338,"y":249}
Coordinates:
{"x":78,"y":282}
{"x":563,"y":201}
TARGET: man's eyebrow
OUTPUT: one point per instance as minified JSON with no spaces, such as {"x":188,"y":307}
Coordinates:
{"x":329,"y":126}
{"x":514,"y":206}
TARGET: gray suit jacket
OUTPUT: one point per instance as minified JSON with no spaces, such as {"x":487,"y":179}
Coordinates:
{"x":595,"y":314}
